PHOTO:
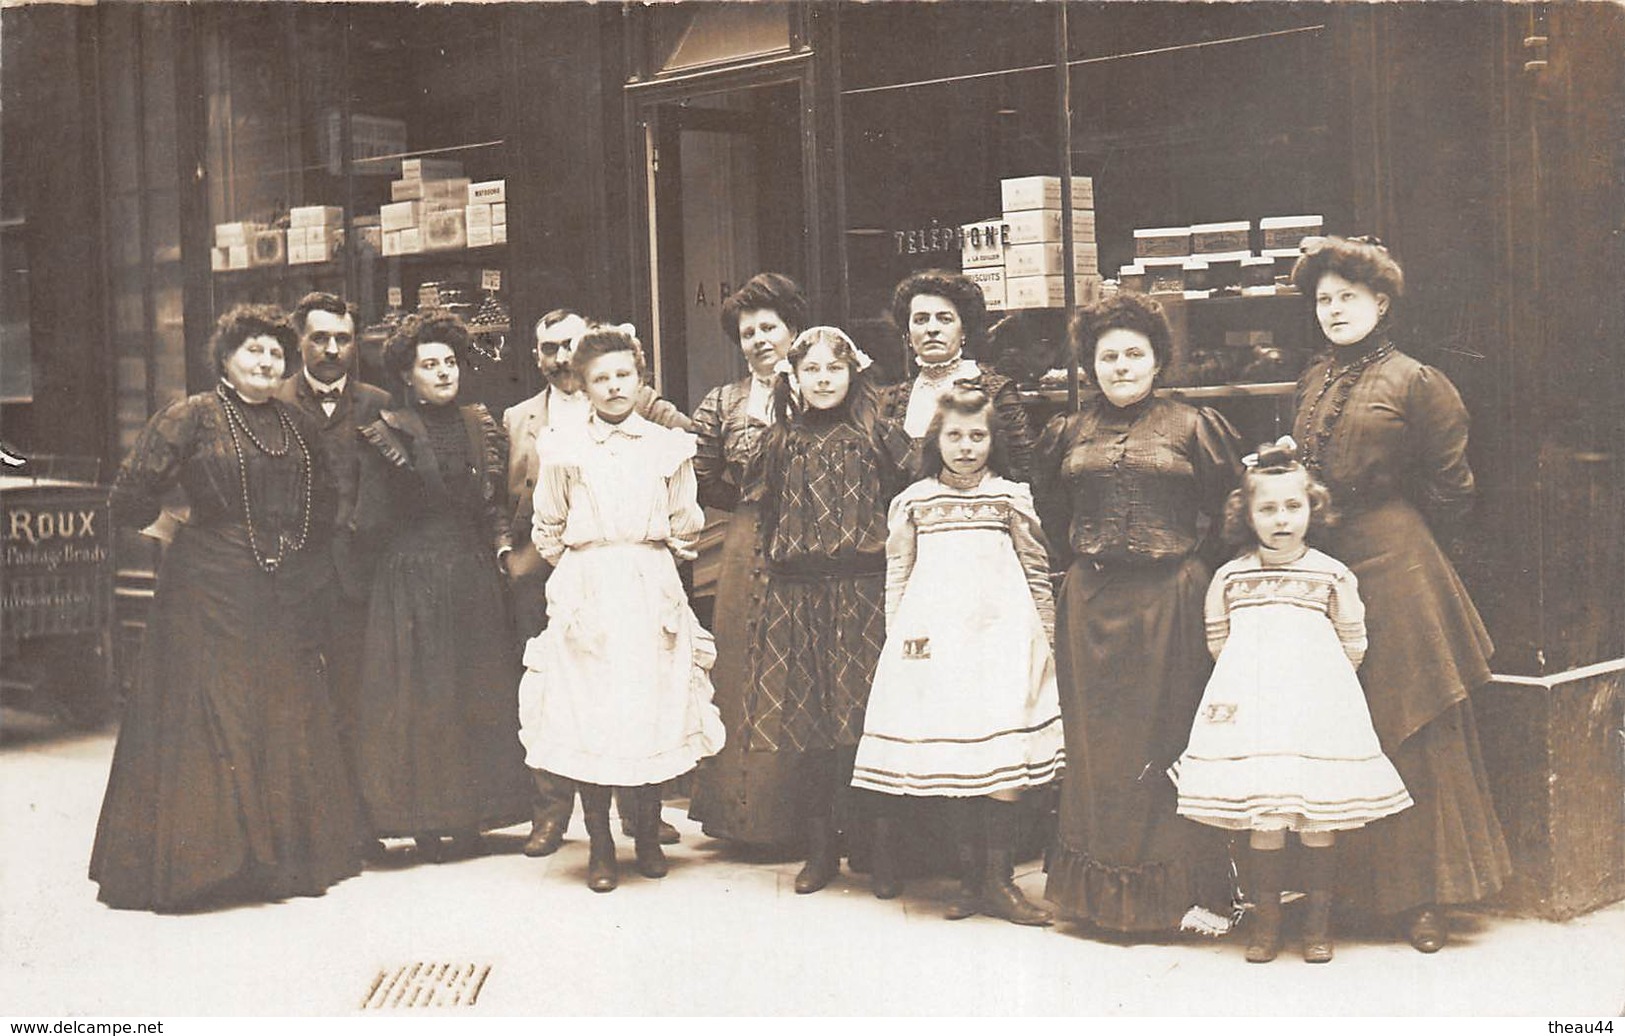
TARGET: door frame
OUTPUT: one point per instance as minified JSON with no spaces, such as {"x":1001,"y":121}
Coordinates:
{"x":647,"y":132}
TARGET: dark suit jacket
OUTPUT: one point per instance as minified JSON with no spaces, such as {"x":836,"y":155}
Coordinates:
{"x":359,"y":406}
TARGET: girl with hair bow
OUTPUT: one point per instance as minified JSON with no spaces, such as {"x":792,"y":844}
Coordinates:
{"x":830,"y":467}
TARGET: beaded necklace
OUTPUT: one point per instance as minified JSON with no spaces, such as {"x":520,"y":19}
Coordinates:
{"x":290,"y":438}
{"x":1343,"y":378}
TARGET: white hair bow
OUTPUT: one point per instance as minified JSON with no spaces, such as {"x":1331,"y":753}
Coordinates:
{"x":1285,"y":442}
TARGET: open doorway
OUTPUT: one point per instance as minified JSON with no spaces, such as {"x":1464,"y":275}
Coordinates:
{"x":726,"y":201}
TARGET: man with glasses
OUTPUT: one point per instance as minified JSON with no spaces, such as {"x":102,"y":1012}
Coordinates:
{"x":562,"y":401}
{"x":328,"y":388}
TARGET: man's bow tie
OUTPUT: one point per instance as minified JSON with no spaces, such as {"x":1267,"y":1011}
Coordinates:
{"x":331,"y":395}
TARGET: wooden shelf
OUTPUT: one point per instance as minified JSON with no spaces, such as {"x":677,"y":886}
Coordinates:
{"x":1253,"y":390}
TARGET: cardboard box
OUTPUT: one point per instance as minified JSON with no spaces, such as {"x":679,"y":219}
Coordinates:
{"x":316,"y":216}
{"x":499,"y":233}
{"x":1281,"y":235}
{"x":477,"y":216}
{"x":1162,"y":242}
{"x":400,"y":215}
{"x":444,"y":230}
{"x":405,"y":190}
{"x":411,"y":241}
{"x":1231,"y":239}
{"x":317,"y":245}
{"x":430,"y":168}
{"x":1046,"y":260}
{"x":453,"y":190}
{"x":1164,"y":274}
{"x":218,"y":258}
{"x":499,"y":213}
{"x":1021,"y":193}
{"x":991,"y":280}
{"x":981,"y":245}
{"x":1047,"y":292}
{"x":480,"y":237}
{"x":269,"y":248}
{"x":1039,"y":225}
{"x":227,"y":235}
{"x":392,"y":242}
{"x":237,"y":257}
{"x":487,"y":192}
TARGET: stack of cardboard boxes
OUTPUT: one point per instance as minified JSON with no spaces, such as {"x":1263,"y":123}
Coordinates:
{"x":1019,"y":261}
{"x":1205,"y":259}
{"x":315,"y":233}
{"x":436,"y":208}
{"x":238,"y":246}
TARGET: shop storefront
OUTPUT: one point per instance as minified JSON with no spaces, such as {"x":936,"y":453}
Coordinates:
{"x":651,"y":157}
{"x":850,"y":144}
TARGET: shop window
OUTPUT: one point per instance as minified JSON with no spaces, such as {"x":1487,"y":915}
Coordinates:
{"x":1179,"y":117}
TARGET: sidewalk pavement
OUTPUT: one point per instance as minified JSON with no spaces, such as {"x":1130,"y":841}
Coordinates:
{"x":721,"y":935}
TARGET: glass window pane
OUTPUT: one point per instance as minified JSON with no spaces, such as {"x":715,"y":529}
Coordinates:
{"x":690,"y":35}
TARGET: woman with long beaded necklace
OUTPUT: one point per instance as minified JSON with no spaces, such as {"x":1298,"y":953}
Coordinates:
{"x":437,"y":732}
{"x":943,"y":319}
{"x":1388,"y":436}
{"x":228,"y":782}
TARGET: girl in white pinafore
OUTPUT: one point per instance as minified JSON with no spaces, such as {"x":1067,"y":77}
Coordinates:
{"x":1283,"y":739}
{"x":964,"y":704}
{"x":617,"y":691}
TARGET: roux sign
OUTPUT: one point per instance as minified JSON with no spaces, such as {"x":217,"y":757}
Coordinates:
{"x":47,"y":530}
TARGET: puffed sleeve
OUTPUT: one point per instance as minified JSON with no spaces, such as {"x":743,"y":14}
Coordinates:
{"x":651,"y":406}
{"x":1050,"y":497}
{"x":710,"y":466}
{"x":1217,"y":462}
{"x":154,"y":463}
{"x":550,"y":504}
{"x":1433,"y":408}
{"x":900,"y":535}
{"x":1027,"y":534}
{"x":1018,"y":436}
{"x":1216,"y":613}
{"x":685,"y":518}
{"x":498,"y":514}
{"x":1348,"y":616}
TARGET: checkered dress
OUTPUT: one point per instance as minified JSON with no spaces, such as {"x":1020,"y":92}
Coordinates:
{"x":814,"y":647}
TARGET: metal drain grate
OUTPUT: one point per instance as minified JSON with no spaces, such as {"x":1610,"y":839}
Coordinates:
{"x":427,"y":984}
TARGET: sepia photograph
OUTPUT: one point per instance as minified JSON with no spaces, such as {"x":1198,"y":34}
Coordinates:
{"x":800,"y":509}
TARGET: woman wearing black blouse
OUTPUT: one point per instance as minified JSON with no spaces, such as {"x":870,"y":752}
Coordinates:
{"x":228,"y":782}
{"x":437,"y":730}
{"x":1122,"y":486}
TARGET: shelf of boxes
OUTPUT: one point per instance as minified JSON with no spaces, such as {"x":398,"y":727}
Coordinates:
{"x":1019,"y":259}
{"x":437,"y":209}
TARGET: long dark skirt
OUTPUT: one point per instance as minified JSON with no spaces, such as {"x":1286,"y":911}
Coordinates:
{"x":1448,"y":848}
{"x":437,"y":733}
{"x":1428,"y":649}
{"x":1131,"y":662}
{"x":228,"y":781}
{"x":741,"y":795}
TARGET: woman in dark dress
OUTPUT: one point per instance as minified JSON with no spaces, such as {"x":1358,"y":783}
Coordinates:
{"x":1123,"y":487}
{"x":1388,"y":437}
{"x":738,"y":795}
{"x":438,"y":749}
{"x":943,"y":318}
{"x":228,"y":782}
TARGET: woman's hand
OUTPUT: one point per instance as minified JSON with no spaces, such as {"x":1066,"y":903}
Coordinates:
{"x":520,"y":562}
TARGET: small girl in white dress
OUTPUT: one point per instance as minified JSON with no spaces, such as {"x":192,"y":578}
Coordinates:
{"x":964,"y":704}
{"x":617,"y":691}
{"x":1283,"y":740}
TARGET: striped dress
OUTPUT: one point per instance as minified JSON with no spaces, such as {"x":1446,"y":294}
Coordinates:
{"x":964,"y":700}
{"x":1283,"y":738}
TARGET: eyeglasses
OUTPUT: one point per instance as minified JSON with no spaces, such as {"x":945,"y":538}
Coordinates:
{"x":552,"y":348}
